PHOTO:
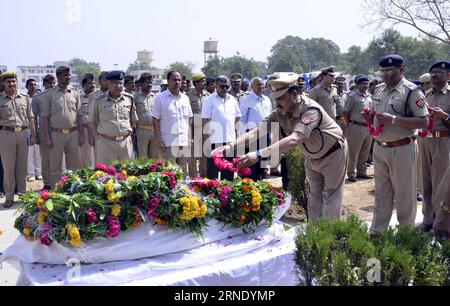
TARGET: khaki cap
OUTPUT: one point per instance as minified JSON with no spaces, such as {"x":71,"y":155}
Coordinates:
{"x":279,"y":84}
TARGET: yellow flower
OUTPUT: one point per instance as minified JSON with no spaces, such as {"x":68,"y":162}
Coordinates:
{"x":112,"y":197}
{"x":53,"y":194}
{"x":41,"y":218}
{"x":110,"y":186}
{"x":115,"y":211}
{"x":256,"y":198}
{"x":124,"y":172}
{"x":97,"y":174}
{"x":132,"y":178}
{"x":160,"y":221}
{"x":27,"y":231}
{"x":74,"y":234}
{"x":40,"y":202}
{"x":243,"y":218}
{"x":203,"y":210}
{"x":247,"y":180}
{"x":247,"y":188}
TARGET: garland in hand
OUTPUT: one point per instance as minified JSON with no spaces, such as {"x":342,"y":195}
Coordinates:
{"x":373,"y":131}
{"x":225,"y":165}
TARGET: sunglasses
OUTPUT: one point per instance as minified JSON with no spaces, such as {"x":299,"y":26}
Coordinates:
{"x":224,"y":86}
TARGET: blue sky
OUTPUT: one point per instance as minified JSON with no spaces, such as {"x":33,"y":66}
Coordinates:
{"x":112,"y":31}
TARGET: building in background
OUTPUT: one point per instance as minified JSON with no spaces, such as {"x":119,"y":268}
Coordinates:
{"x":3,"y":68}
{"x":143,"y":64}
{"x":39,"y":72}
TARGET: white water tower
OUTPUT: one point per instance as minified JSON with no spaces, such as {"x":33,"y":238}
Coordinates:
{"x":210,"y":49}
{"x":145,"y":57}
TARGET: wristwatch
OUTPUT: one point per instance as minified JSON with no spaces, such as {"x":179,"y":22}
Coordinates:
{"x":258,"y":154}
{"x":393,"y":120}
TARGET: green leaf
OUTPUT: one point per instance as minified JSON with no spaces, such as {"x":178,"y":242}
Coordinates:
{"x":49,"y":205}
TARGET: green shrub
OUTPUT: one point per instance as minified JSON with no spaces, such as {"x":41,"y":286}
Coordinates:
{"x":338,"y":253}
{"x":297,"y":186}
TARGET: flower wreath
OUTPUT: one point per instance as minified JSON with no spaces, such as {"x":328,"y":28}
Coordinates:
{"x":373,"y":131}
{"x":225,"y":165}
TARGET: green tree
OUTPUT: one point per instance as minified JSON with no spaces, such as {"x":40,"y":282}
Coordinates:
{"x":184,"y":69}
{"x":249,"y":68}
{"x":295,"y":54}
{"x":135,"y":66}
{"x":355,"y":61}
{"x":84,"y":67}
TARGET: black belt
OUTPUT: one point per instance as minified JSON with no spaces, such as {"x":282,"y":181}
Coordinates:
{"x":333,"y":149}
{"x":13,"y":129}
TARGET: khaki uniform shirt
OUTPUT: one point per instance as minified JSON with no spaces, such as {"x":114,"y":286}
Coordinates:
{"x":309,"y":118}
{"x":196,"y":100}
{"x":240,"y":95}
{"x":144,"y":105}
{"x":15,"y":112}
{"x":36,"y":104}
{"x":61,"y":108}
{"x":112,"y":117}
{"x":355,"y":105}
{"x":327,"y":98}
{"x":85,"y":100}
{"x":440,"y":99}
{"x":394,"y":102}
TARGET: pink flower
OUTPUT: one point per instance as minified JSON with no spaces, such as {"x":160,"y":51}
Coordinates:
{"x":245,"y":172}
{"x":172,"y":179}
{"x":223,"y":196}
{"x":111,"y":170}
{"x":155,"y":167}
{"x":101,"y":167}
{"x":44,"y":234}
{"x":113,"y":225}
{"x":63,"y":180}
{"x":121,"y":177}
{"x":92,"y":216}
{"x":45,"y":194}
{"x":154,"y":203}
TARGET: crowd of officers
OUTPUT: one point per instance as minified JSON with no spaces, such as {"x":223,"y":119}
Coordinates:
{"x":258,"y":120}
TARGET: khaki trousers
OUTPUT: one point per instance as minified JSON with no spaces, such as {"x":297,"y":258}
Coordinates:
{"x":14,"y":156}
{"x":395,"y":181}
{"x":326,"y":177}
{"x":435,"y":153}
{"x":64,"y":144}
{"x":87,"y":151}
{"x":45,"y":159}
{"x":147,"y":147}
{"x":108,"y":150}
{"x":359,"y":141}
{"x":178,"y":155}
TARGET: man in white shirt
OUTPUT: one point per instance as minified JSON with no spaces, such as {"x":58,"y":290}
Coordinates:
{"x":221,"y":114}
{"x":172,"y":119}
{"x":254,"y":109}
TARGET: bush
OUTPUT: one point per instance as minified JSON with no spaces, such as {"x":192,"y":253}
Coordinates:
{"x":297,"y":186}
{"x":339,"y":253}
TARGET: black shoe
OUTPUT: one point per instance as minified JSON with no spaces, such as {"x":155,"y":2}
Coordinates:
{"x":425,"y":227}
{"x":352,"y":179}
{"x":275,"y":173}
{"x":47,"y":187}
{"x":419,"y":197}
{"x":363,"y":176}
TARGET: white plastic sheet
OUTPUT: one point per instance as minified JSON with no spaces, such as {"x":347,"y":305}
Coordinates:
{"x":264,"y":258}
{"x":143,"y":242}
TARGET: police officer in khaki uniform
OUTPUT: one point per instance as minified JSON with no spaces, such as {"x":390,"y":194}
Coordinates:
{"x":317,"y":136}
{"x":435,"y":148}
{"x":326,"y":93}
{"x":48,"y":82}
{"x":62,"y":122}
{"x":143,"y":100}
{"x":196,"y":96}
{"x":401,"y":107}
{"x":236,"y":84}
{"x":87,"y":150}
{"x":111,"y":117}
{"x":16,"y":123}
{"x":358,"y":137}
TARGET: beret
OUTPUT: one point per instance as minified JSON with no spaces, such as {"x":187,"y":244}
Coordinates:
{"x":115,"y":75}
{"x":391,"y":60}
{"x":361,"y":79}
{"x":442,"y":65}
{"x":236,"y":77}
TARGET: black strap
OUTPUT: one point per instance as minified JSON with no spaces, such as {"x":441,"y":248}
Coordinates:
{"x":320,"y":132}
